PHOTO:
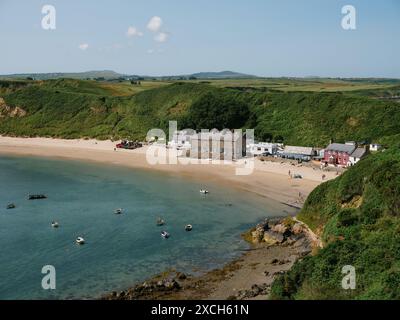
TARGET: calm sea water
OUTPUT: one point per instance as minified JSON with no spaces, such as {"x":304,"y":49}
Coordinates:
{"x":120,"y":249}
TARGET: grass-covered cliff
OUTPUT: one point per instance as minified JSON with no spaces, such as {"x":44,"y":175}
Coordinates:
{"x":358,"y":217}
{"x":74,"y":108}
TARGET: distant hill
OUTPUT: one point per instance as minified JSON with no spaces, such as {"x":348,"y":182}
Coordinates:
{"x":221,"y":75}
{"x":112,"y":75}
{"x":106,"y":74}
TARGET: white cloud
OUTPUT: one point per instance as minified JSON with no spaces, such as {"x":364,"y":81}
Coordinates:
{"x":155,"y":24}
{"x":150,"y":51}
{"x":133,"y":32}
{"x":161,"y":37}
{"x":83,"y":46}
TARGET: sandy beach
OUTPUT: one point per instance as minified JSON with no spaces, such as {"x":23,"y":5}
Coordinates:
{"x":268,"y":179}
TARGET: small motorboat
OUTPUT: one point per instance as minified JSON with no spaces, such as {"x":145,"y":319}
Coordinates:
{"x":160,"y":222}
{"x":118,"y":211}
{"x":203,"y":191}
{"x":165,"y":234}
{"x":55,"y":224}
{"x":36,"y":196}
{"x":80,"y":240}
{"x":11,"y":206}
{"x":189,"y":227}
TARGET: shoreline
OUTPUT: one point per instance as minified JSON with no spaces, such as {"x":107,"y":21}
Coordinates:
{"x":269,"y":179}
{"x":247,"y":277}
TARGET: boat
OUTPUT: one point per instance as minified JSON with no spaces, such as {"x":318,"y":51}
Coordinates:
{"x":203,"y":191}
{"x":54,"y":224}
{"x":11,"y":206}
{"x":165,"y":234}
{"x":80,"y":240}
{"x":37,"y":196}
{"x":160,"y":222}
{"x":118,"y":211}
{"x":189,"y":227}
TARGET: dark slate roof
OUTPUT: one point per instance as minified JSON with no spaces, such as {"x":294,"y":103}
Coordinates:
{"x":341,"y":147}
{"x":306,"y":151}
{"x":358,"y":153}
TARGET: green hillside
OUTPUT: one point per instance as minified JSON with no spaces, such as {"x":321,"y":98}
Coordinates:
{"x":74,"y":108}
{"x":359,"y":214}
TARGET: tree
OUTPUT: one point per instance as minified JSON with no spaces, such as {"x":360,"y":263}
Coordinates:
{"x":218,"y":111}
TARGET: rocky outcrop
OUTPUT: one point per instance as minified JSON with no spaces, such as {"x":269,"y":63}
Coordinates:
{"x":7,"y":111}
{"x":283,"y":231}
{"x":152,"y":288}
{"x":258,"y":234}
{"x":256,"y":290}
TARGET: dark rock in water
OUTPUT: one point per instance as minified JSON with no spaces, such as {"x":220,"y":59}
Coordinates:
{"x":37,"y":196}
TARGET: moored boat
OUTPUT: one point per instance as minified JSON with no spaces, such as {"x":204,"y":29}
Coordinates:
{"x":189,"y":227}
{"x":165,"y":234}
{"x":80,"y":240}
{"x":204,"y":191}
{"x":36,"y":196}
{"x":118,"y":211}
{"x":55,"y":224}
{"x":160,"y":222}
{"x":11,"y":206}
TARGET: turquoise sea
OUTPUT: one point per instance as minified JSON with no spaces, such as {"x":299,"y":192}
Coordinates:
{"x":120,"y":250}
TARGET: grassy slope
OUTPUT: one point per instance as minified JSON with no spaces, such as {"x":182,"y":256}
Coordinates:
{"x":359,"y":214}
{"x":71,"y":109}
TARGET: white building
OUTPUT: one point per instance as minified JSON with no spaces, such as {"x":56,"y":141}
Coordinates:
{"x":261,"y":148}
{"x":357,"y":155}
{"x":375,"y":147}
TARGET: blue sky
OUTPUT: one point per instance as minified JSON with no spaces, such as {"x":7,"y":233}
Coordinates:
{"x":261,"y":37}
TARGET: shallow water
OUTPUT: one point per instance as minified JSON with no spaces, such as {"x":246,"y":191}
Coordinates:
{"x":120,"y":249}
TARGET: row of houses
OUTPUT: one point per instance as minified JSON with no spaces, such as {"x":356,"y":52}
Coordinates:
{"x":230,"y":145}
{"x":278,"y":149}
{"x":347,"y":154}
{"x":336,"y":154}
